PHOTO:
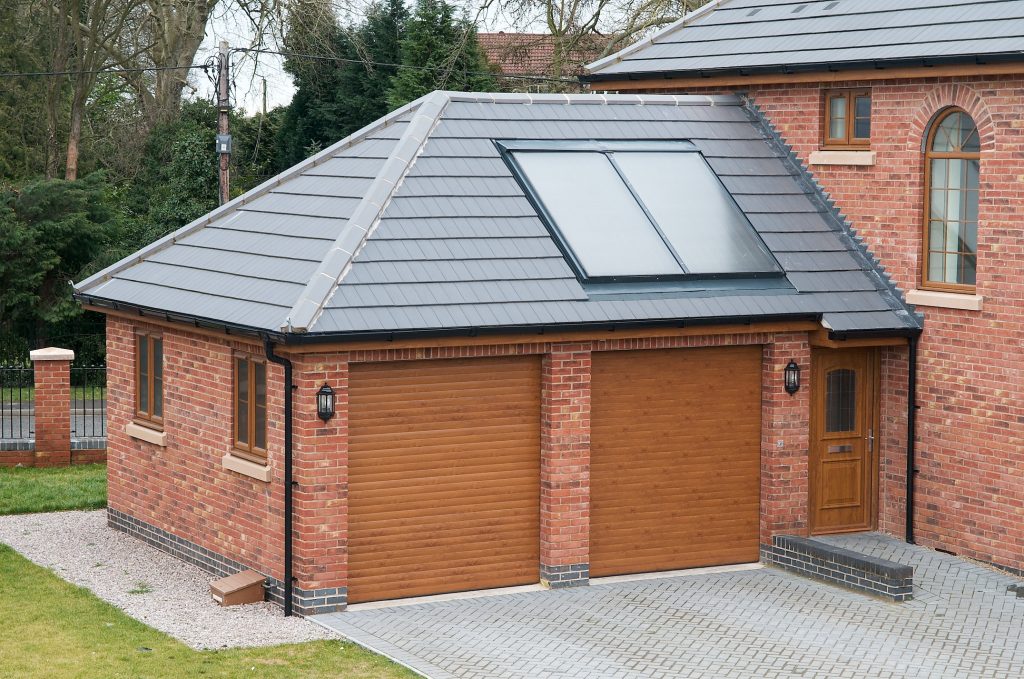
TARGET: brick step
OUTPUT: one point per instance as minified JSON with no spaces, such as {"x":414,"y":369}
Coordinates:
{"x":838,"y":566}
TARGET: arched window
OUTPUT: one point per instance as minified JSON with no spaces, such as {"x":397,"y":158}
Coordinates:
{"x":952,"y":159}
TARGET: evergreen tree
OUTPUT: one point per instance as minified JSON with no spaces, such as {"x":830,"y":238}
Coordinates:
{"x":334,"y":98}
{"x":439,"y":52}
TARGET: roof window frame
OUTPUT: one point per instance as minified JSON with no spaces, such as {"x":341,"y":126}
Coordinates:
{"x":507,"y":149}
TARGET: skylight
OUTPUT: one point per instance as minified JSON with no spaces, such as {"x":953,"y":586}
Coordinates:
{"x":639,"y":210}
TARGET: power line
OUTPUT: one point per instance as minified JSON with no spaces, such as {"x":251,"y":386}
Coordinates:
{"x":320,"y":57}
{"x":104,"y":70}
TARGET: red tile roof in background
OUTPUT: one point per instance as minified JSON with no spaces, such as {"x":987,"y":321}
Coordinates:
{"x":530,"y":53}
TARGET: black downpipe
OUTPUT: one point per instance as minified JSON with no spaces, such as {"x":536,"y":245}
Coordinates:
{"x":911,"y":435}
{"x":268,"y":348}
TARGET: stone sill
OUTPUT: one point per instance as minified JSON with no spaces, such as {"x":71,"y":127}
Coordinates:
{"x":945,"y":300}
{"x":246,"y":468}
{"x":157,"y":438}
{"x":825,"y":157}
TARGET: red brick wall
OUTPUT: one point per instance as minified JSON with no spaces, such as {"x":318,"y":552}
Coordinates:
{"x":565,"y":461}
{"x":970,"y":451}
{"x":785,"y":439}
{"x":321,"y":472}
{"x":183,"y":488}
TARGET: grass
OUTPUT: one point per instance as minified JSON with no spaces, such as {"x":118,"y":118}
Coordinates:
{"x":28,"y":394}
{"x":25,"y":490}
{"x":54,"y":629}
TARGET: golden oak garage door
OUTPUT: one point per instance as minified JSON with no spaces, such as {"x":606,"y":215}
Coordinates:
{"x":444,"y":476}
{"x":675,"y":459}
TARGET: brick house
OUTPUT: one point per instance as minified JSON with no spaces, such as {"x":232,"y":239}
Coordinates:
{"x":866,"y":94}
{"x":565,"y":336}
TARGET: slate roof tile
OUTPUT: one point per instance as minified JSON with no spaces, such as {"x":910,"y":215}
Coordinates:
{"x":416,"y":224}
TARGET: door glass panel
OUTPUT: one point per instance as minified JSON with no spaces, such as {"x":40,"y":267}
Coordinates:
{"x":840,"y":401}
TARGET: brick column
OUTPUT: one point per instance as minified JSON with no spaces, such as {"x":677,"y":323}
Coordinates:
{"x":52,"y":368}
{"x":565,"y":467}
{"x":321,"y":494}
{"x":785,"y":440}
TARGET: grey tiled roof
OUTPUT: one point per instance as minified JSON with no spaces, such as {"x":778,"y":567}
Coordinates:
{"x":753,"y":35}
{"x":415,"y":224}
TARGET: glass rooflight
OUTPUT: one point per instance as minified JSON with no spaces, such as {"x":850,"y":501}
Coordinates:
{"x":644,"y":210}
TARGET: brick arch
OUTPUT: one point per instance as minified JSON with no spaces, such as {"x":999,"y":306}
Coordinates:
{"x":947,"y":96}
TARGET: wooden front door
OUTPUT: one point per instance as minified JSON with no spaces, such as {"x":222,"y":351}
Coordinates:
{"x":844,"y":430}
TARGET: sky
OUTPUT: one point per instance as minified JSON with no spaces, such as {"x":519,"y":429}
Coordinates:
{"x":249,"y":75}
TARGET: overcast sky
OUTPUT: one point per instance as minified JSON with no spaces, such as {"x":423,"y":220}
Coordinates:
{"x":249,"y":75}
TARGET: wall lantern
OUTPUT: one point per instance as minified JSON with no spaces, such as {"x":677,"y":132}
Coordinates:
{"x":792,"y":374}
{"x":325,"y":402}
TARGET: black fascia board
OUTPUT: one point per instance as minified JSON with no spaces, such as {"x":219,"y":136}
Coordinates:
{"x":196,"y":321}
{"x":811,"y":67}
{"x":470,"y":331}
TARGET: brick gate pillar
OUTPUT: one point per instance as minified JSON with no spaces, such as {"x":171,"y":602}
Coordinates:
{"x":565,"y":467}
{"x":52,"y":369}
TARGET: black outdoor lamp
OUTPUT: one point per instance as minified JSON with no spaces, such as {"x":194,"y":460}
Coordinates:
{"x":325,"y":402}
{"x":792,"y":374}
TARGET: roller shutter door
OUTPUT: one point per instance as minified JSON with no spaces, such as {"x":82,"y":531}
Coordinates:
{"x":675,"y":459}
{"x":444,"y":476}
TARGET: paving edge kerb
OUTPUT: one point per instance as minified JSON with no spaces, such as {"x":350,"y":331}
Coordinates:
{"x":839,"y":566}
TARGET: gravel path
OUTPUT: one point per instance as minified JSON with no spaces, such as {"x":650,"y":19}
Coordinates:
{"x":147,"y":584}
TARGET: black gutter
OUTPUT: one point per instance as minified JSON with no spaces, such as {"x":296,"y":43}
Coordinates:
{"x":268,"y":348}
{"x":541,"y":329}
{"x":911,"y":435}
{"x":200,"y":322}
{"x":810,"y":67}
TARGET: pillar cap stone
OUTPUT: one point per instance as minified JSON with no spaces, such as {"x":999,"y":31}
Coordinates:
{"x":52,"y":354}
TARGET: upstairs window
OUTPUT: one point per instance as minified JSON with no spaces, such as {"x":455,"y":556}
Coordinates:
{"x":952,"y":168}
{"x":847,"y":123}
{"x":639,"y":211}
{"x":149,"y":380}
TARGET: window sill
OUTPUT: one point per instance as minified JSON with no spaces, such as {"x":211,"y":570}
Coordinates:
{"x":246,"y":468}
{"x":945,"y":300}
{"x":826,"y":157}
{"x":136,"y":431}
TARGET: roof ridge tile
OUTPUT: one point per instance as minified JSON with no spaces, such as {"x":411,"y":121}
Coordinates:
{"x":360,"y":224}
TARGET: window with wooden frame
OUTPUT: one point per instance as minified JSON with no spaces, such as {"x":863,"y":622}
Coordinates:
{"x":847,"y":119}
{"x":250,"y":408}
{"x":952,"y":169}
{"x":149,"y":380}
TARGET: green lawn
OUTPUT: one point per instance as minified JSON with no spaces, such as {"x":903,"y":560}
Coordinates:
{"x":54,"y":629}
{"x":24,"y":490}
{"x":20,"y":394}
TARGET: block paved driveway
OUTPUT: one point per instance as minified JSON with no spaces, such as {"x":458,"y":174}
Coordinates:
{"x":758,"y":623}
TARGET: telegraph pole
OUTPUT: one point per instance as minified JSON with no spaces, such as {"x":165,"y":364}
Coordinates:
{"x":223,"y":134}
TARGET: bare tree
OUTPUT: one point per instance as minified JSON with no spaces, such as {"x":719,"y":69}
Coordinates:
{"x":583,"y":29}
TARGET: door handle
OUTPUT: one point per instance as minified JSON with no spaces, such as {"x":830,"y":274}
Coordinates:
{"x":871,"y":440}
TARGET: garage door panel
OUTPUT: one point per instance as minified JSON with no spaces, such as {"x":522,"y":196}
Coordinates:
{"x":444,"y":476}
{"x":675,"y":459}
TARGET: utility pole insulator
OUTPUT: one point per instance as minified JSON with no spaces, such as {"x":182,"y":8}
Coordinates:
{"x":223,"y":133}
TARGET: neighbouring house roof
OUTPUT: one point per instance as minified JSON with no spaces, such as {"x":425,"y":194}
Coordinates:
{"x":415,"y":224}
{"x":532,"y":53}
{"x":752,"y":36}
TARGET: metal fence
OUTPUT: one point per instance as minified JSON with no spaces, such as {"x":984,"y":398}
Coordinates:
{"x":88,"y":401}
{"x":17,"y":407}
